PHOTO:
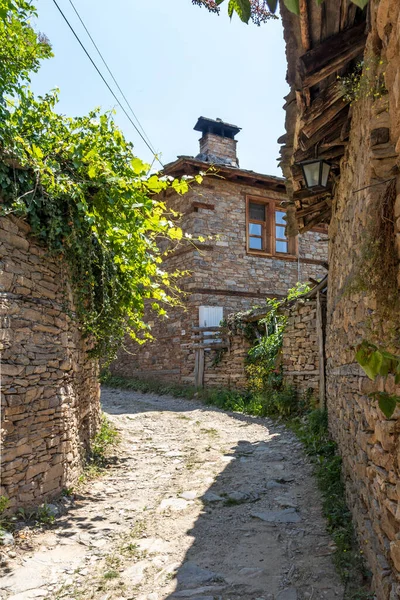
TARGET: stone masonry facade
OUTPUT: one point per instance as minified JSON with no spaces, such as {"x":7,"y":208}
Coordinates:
{"x":300,"y":355}
{"x":221,"y":274}
{"x":50,"y":391}
{"x":369,"y":442}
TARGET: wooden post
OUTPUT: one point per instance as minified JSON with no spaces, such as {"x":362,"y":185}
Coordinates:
{"x":321,"y":352}
{"x":199,"y":368}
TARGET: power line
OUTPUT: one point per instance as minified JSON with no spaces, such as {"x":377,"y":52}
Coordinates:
{"x":107,"y":84}
{"x":110,"y":72}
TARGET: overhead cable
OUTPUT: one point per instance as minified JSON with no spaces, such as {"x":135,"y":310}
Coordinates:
{"x":107,"y":84}
{"x":110,"y":72}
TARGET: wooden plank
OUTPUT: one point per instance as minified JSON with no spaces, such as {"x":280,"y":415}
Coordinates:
{"x":320,"y":218}
{"x":214,"y":328}
{"x":323,"y":101}
{"x":340,"y":44}
{"x":328,"y":113}
{"x":329,"y":128}
{"x":321,"y":352}
{"x":339,"y":62}
{"x":203,"y":205}
{"x":210,"y":346}
{"x":311,"y":209}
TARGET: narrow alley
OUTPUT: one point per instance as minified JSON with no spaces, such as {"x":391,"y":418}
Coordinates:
{"x":200,"y":504}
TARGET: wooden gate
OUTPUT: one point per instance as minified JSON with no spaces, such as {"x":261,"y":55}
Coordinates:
{"x":205,"y":339}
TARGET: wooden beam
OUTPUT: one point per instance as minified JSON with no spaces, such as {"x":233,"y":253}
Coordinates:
{"x":304,"y":26}
{"x":328,"y":128}
{"x":323,"y":101}
{"x":340,"y":43}
{"x":328,"y":112}
{"x":311,"y":209}
{"x":315,"y":221}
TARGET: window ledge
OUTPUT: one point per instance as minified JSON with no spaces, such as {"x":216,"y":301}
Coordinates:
{"x":275,"y":256}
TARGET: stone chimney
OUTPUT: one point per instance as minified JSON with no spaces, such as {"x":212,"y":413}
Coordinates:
{"x":217,"y":144}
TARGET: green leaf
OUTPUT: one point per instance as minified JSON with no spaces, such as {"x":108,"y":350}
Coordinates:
{"x":293,"y":6}
{"x":139,"y":166}
{"x":360,"y":3}
{"x":387,"y":403}
{"x":272,"y":5}
{"x":242,"y":7}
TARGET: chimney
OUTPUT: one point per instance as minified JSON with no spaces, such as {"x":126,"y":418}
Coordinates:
{"x":217,"y":144}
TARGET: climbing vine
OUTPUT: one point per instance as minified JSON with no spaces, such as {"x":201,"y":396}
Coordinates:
{"x":86,"y":195}
{"x":376,"y":362}
{"x":263,"y":368}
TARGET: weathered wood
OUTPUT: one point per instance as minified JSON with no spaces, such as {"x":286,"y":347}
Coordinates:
{"x":206,"y":205}
{"x":328,"y":113}
{"x":315,"y":221}
{"x":336,"y":65}
{"x":206,"y":335}
{"x":328,"y":128}
{"x":323,"y":101}
{"x":305,"y":194}
{"x":210,"y":346}
{"x":199,"y":368}
{"x":304,"y":26}
{"x":337,"y":47}
{"x":321,"y":351}
{"x":308,"y":210}
{"x":317,"y":289}
{"x":213,"y":328}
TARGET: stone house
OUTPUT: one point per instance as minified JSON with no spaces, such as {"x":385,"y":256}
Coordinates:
{"x":248,"y":259}
{"x":361,"y":142}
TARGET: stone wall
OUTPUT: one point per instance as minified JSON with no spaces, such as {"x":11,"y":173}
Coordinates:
{"x":50,"y":390}
{"x":369,"y":443}
{"x":221,"y":273}
{"x":300,"y":357}
{"x":229,"y":372}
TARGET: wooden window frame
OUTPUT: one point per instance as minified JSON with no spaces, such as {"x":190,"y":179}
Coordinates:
{"x":268,"y":230}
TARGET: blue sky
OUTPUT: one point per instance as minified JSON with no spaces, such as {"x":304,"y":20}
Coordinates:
{"x":174,"y":62}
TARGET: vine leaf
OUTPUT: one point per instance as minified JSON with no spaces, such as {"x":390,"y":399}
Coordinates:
{"x":293,"y":6}
{"x":360,"y":3}
{"x":242,"y":7}
{"x":272,"y":5}
{"x":387,"y":402}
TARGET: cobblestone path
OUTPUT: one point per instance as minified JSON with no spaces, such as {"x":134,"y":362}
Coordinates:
{"x":201,"y":505}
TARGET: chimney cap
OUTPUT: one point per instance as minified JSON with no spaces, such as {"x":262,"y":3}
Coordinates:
{"x":217,"y":127}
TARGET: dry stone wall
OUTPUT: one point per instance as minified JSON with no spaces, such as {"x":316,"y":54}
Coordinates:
{"x":300,"y":355}
{"x":369,"y":443}
{"x":50,"y":390}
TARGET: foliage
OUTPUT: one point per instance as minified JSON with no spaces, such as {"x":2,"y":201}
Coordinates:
{"x":379,"y":362}
{"x":259,"y":11}
{"x":106,"y":438}
{"x":365,"y":81}
{"x":263,"y":369}
{"x":312,"y":429}
{"x":87,"y":198}
{"x":4,"y":520}
{"x":21,"y":48}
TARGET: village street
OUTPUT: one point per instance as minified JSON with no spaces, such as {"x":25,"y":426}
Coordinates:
{"x":201,"y":504}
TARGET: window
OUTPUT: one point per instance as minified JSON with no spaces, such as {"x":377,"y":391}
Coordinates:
{"x":266,"y":228}
{"x":210,"y":316}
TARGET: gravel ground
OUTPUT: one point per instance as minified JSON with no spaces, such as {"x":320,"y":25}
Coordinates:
{"x":200,"y":505}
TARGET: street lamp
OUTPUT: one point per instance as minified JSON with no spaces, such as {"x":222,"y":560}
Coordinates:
{"x":316,"y":173}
